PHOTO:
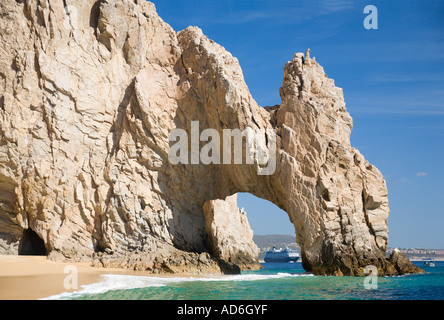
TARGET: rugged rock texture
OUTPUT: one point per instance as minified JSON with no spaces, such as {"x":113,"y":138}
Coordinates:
{"x":89,"y":93}
{"x":402,"y":264}
{"x":228,"y":233}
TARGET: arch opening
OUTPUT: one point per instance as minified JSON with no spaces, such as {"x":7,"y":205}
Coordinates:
{"x":270,"y":224}
{"x":31,"y":244}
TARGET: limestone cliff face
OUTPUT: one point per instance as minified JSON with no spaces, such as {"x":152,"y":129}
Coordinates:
{"x":228,"y":233}
{"x":89,"y":93}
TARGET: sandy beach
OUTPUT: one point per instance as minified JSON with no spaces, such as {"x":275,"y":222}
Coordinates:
{"x":35,"y":277}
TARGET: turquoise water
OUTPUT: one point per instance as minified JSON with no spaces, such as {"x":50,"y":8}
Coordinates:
{"x":276,"y":281}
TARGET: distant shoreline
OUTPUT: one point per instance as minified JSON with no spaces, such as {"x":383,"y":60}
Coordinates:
{"x":414,"y":259}
{"x":420,"y":259}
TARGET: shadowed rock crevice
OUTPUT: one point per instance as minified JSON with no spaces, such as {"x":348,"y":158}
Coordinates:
{"x":31,"y":244}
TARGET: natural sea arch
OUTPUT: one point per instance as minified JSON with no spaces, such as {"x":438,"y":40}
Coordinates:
{"x":324,"y":250}
{"x":95,"y":178}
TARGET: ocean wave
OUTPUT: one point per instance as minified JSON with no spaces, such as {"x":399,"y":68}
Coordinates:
{"x":113,"y":282}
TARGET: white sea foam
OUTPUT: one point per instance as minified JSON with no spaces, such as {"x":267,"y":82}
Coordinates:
{"x":125,"y":282}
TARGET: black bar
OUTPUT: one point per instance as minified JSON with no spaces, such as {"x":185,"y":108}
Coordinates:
{"x":227,"y":309}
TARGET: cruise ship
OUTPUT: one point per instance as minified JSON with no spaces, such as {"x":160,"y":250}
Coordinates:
{"x":286,"y":255}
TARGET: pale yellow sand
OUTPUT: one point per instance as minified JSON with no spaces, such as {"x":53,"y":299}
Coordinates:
{"x":35,"y":277}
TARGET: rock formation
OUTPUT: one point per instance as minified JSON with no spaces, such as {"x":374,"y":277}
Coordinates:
{"x":228,"y":233}
{"x":89,"y":93}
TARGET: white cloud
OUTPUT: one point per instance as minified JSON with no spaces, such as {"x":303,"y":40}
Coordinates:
{"x":422,"y":174}
{"x":404,"y":180}
{"x":414,"y":103}
{"x":288,"y":12}
{"x":395,"y":78}
{"x":328,"y":6}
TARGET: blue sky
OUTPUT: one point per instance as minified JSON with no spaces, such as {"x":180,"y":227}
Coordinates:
{"x":393,"y":81}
